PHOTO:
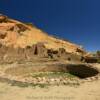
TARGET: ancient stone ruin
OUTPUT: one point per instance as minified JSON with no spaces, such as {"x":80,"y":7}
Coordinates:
{"x":11,"y":54}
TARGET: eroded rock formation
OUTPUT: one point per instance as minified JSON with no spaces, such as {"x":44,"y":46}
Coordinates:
{"x":3,"y":18}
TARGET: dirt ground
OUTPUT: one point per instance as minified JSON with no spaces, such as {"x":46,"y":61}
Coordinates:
{"x":86,"y":91}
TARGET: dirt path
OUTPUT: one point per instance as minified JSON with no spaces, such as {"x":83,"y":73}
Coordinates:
{"x":86,"y":91}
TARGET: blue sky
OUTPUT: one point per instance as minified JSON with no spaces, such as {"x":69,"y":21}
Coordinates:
{"x":75,"y":20}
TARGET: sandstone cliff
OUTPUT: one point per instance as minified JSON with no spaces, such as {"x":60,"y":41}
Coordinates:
{"x":17,"y":34}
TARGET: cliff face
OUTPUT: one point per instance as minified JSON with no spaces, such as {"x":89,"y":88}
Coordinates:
{"x":17,"y":34}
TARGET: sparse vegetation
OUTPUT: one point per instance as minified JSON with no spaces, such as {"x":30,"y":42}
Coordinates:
{"x":53,"y":74}
{"x":22,"y":85}
{"x":98,"y":53}
{"x":30,"y":24}
{"x":98,"y":60}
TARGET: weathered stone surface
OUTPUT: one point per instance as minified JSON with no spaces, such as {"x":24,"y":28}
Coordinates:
{"x":91,"y":59}
{"x":3,"y":18}
{"x":2,"y":51}
{"x":2,"y":34}
{"x":11,"y":54}
{"x":29,"y":52}
{"x":40,"y":50}
{"x":18,"y":28}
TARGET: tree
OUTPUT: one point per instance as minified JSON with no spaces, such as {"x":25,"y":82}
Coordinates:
{"x":98,"y":53}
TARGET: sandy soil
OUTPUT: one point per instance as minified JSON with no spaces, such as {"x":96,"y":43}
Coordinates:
{"x":86,"y":91}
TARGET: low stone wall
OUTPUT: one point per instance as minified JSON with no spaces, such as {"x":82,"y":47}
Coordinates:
{"x":80,"y":70}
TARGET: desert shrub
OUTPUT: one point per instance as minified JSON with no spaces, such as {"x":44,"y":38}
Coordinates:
{"x":30,"y":24}
{"x":98,"y":53}
{"x":98,"y":60}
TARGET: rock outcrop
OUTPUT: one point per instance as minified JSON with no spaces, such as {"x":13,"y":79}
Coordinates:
{"x":3,"y":18}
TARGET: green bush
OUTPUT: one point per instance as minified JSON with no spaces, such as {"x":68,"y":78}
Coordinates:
{"x":30,"y":24}
{"x":98,"y":53}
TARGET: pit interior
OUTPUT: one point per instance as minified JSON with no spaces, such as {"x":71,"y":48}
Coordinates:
{"x":82,"y":71}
